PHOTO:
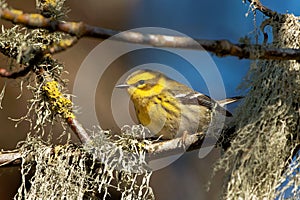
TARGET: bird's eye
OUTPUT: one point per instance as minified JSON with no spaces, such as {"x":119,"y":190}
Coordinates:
{"x":141,"y":82}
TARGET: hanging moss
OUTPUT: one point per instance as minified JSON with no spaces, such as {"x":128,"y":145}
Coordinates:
{"x":104,"y":164}
{"x":267,"y":123}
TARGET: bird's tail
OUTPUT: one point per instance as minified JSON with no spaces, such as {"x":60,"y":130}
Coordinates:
{"x":229,"y":100}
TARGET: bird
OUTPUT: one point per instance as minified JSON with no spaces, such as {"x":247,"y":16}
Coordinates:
{"x":169,"y":108}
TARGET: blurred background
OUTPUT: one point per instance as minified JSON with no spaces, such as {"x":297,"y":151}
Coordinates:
{"x":186,"y":178}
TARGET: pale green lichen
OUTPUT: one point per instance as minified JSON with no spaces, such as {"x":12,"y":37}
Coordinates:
{"x":267,"y":124}
{"x":94,"y":171}
{"x":24,"y":44}
{"x":54,"y":9}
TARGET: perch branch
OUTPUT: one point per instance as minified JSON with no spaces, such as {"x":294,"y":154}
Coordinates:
{"x":176,"y":146}
{"x":218,"y":47}
{"x":159,"y":149}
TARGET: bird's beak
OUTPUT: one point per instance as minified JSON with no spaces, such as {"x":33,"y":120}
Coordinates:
{"x":123,"y":86}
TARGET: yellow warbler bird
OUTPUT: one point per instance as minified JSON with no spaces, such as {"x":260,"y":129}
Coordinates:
{"x":169,"y":108}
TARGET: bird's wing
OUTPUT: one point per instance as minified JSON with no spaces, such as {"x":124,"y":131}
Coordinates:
{"x":229,"y":100}
{"x":195,"y":98}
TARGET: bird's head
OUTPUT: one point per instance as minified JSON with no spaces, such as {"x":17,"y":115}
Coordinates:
{"x":144,"y":83}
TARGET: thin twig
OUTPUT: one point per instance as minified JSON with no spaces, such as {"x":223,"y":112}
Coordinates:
{"x":10,"y":158}
{"x":78,"y":129}
{"x":218,"y":47}
{"x":7,"y":74}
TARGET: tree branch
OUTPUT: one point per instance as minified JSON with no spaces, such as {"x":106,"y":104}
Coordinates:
{"x":176,"y":146}
{"x":78,"y":129}
{"x":155,"y":150}
{"x":10,"y":158}
{"x":218,"y":47}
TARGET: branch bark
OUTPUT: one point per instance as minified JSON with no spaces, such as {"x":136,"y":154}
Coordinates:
{"x":180,"y":145}
{"x":10,"y":158}
{"x":78,"y":129}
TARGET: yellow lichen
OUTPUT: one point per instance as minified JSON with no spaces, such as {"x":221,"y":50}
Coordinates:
{"x":59,"y":103}
{"x":17,"y":12}
{"x":66,"y":42}
{"x":50,"y":2}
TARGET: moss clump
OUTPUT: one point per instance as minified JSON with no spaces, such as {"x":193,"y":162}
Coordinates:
{"x":105,"y":166}
{"x":267,"y":123}
{"x":54,"y":9}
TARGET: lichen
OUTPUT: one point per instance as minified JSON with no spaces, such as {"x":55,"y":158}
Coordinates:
{"x":25,"y":46}
{"x":93,"y":171}
{"x":52,"y":8}
{"x":58,"y":102}
{"x":267,"y":123}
